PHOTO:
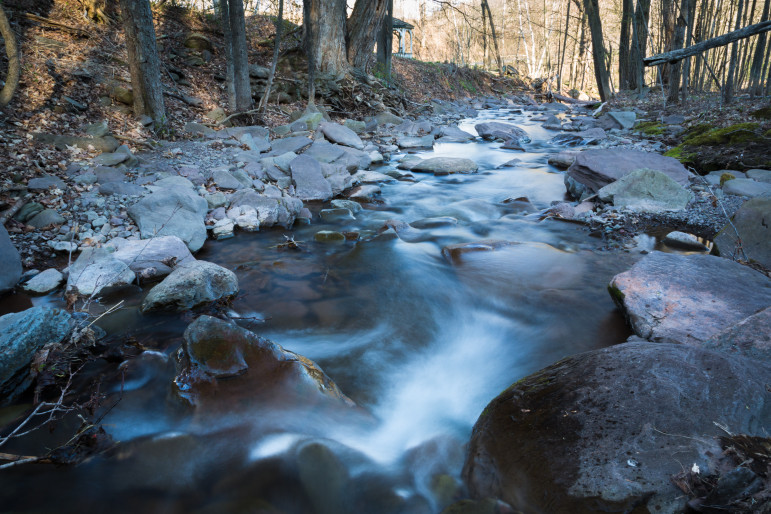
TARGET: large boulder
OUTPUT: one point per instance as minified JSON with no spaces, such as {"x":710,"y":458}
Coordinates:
{"x":97,"y":269}
{"x":154,"y":257}
{"x":647,"y":191}
{"x":255,"y":368}
{"x":501,"y":131}
{"x":595,"y":169}
{"x":172,"y":211}
{"x":21,"y":335}
{"x":190,"y":285}
{"x":453,"y":134}
{"x":10,"y":272}
{"x":604,"y":431}
{"x":270,"y":211}
{"x":445,"y":165}
{"x":688,"y":299}
{"x":753,"y":223}
{"x":341,"y":135}
{"x":750,"y":337}
{"x":308,"y":179}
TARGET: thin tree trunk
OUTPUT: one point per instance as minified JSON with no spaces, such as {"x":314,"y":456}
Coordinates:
{"x":276,"y":46}
{"x":144,"y":64}
{"x":564,"y":49}
{"x":237,"y":21}
{"x":385,"y":41}
{"x":624,"y":44}
{"x":598,"y":49}
{"x":677,"y":43}
{"x":728,"y":89}
{"x":14,"y":60}
{"x":756,"y":70}
{"x":485,"y":5}
{"x":224,"y":9}
{"x":639,"y":44}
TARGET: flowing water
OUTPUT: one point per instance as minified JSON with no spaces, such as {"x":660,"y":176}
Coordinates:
{"x":420,"y":342}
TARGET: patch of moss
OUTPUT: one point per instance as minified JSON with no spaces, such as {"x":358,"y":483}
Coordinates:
{"x":725,"y":177}
{"x":762,"y":114}
{"x":616,"y":294}
{"x":680,"y":154}
{"x":767,"y":134}
{"x":735,"y":134}
{"x":697,"y":130}
{"x":651,"y":128}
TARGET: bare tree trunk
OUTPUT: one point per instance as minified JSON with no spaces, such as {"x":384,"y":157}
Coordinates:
{"x":363,"y":28}
{"x":639,"y":44}
{"x":144,"y":64}
{"x":385,"y":41}
{"x":728,"y":88}
{"x":564,"y":49}
{"x":14,"y":60}
{"x":677,"y":43}
{"x":234,"y":28}
{"x":756,"y":70}
{"x":624,"y":44}
{"x":485,"y":5}
{"x":325,"y":43}
{"x":598,"y":49}
{"x":276,"y":46}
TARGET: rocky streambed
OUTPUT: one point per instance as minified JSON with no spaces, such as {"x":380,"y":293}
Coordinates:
{"x":424,"y":266}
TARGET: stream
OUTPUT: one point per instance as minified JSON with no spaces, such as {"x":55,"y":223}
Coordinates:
{"x":420,"y":344}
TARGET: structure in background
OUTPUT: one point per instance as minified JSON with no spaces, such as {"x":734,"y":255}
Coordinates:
{"x":401,"y":29}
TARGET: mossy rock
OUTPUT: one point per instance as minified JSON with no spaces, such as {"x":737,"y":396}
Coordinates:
{"x":735,"y":134}
{"x":762,"y":114}
{"x":725,"y":177}
{"x":650,"y":128}
{"x":768,"y":133}
{"x":681,"y":155}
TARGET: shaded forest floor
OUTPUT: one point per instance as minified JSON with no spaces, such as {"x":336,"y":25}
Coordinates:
{"x":74,"y":73}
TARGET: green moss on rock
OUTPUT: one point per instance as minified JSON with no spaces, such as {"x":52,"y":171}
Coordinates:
{"x":735,"y":134}
{"x":650,"y":128}
{"x":762,"y":114}
{"x":680,"y":154}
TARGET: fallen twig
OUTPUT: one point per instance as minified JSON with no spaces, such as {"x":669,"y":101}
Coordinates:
{"x":10,"y":213}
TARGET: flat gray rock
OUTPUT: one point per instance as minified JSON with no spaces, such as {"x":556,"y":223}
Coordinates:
{"x":46,"y":218}
{"x":308,"y":180}
{"x":294,"y":144}
{"x":646,"y":191}
{"x":324,"y":151}
{"x":10,"y":271}
{"x":341,"y":135}
{"x":97,"y":269}
{"x":751,"y":338}
{"x":110,"y":159}
{"x":44,"y":282}
{"x":121,"y":188}
{"x":594,"y":169}
{"x":759,"y":175}
{"x":154,"y":257}
{"x":495,"y":130}
{"x":747,"y":187}
{"x":604,"y":431}
{"x":172,"y":211}
{"x":409,"y":142}
{"x":386,"y":118}
{"x":46,"y":182}
{"x":453,"y":134}
{"x":190,"y":285}
{"x":21,"y":335}
{"x":225,"y":180}
{"x":625,"y":119}
{"x":105,"y":175}
{"x":753,"y":223}
{"x":688,"y":299}
{"x":445,"y":166}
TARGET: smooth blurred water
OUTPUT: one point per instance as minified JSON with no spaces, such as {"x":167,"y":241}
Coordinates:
{"x":420,"y":343}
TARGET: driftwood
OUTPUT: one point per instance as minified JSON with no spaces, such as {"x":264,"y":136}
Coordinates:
{"x":21,"y":202}
{"x":678,"y":55}
{"x":569,"y":100}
